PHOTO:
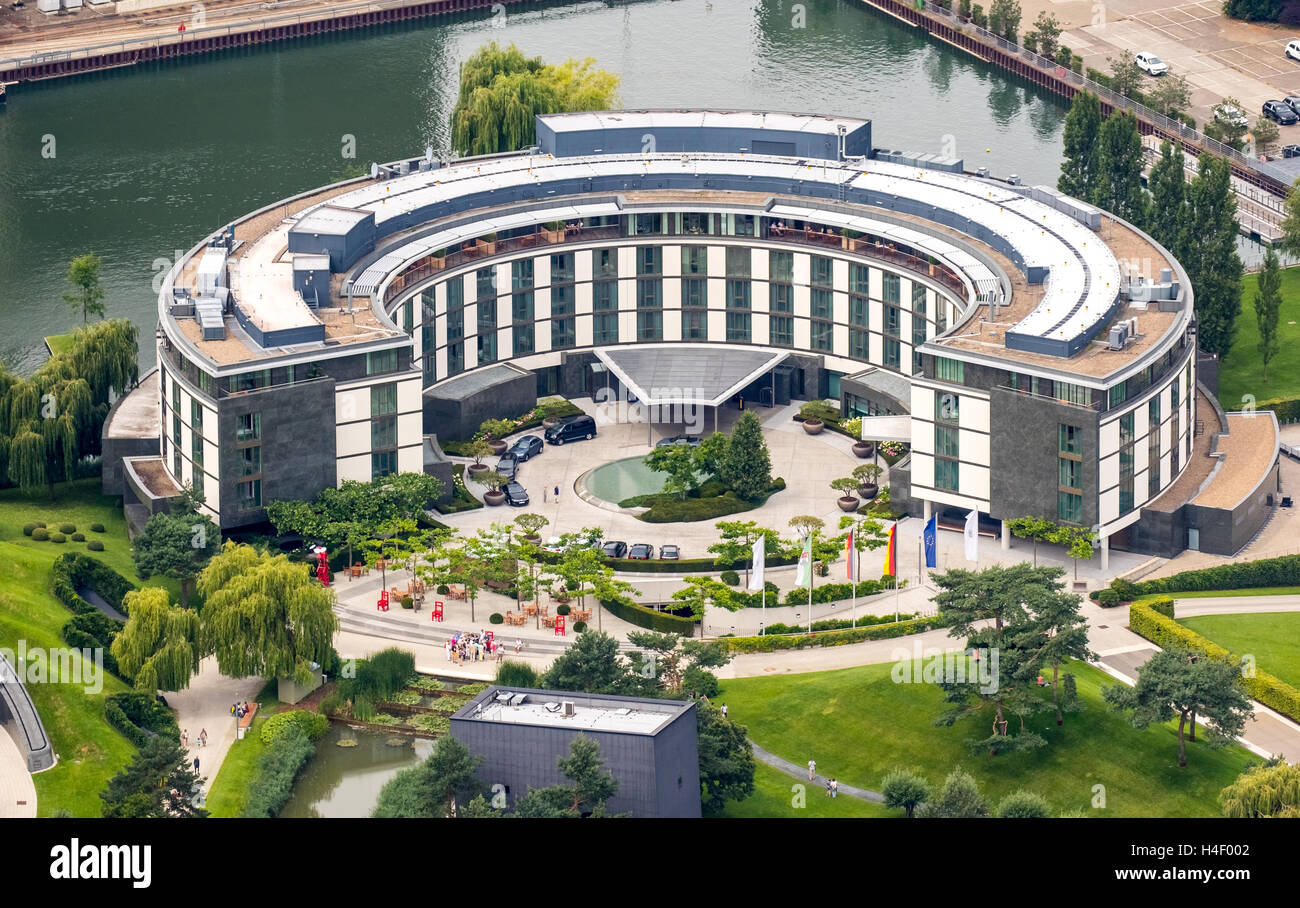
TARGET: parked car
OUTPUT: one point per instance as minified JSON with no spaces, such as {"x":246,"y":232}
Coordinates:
{"x":516,"y":495}
{"x":508,"y":465}
{"x":691,"y":440}
{"x":571,"y":428}
{"x":1152,"y":65}
{"x":526,"y":447}
{"x":642,"y":551}
{"x":1293,"y":49}
{"x":1281,"y":112}
{"x":1291,"y":151}
{"x":669,"y":553}
{"x":1293,"y":102}
{"x":614,"y":549}
{"x":1226,"y":113}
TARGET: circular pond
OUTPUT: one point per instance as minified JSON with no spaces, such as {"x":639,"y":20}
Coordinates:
{"x":613,"y":482}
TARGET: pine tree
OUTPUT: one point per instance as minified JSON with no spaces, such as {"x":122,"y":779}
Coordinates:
{"x":1208,"y":252}
{"x":1268,"y":303}
{"x":1118,"y":188}
{"x":746,"y":466}
{"x":158,"y":782}
{"x":178,"y":544}
{"x":1082,"y":128}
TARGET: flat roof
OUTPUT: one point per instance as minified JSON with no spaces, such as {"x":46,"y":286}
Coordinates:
{"x":526,"y":706}
{"x":137,"y":415}
{"x":1249,"y":448}
{"x":330,"y":219}
{"x":708,"y":374}
{"x":821,"y":124}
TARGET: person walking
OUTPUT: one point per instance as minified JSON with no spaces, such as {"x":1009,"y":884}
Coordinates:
{"x":196,"y":766}
{"x":835,"y":788}
{"x":203,"y":738}
{"x":812,"y":770}
{"x":557,"y":494}
{"x":724,"y":710}
{"x":185,"y":738}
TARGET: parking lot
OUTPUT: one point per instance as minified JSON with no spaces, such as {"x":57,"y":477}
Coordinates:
{"x":807,"y":463}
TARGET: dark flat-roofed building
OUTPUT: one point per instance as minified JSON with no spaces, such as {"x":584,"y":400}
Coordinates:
{"x":650,"y":746}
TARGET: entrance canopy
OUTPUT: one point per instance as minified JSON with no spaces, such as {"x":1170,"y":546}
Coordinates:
{"x":701,"y":374}
{"x":887,"y":428}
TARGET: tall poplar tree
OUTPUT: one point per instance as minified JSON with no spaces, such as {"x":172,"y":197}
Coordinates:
{"x":1082,"y":127}
{"x":1208,"y":252}
{"x":1168,"y":208}
{"x":1268,"y":303}
{"x":1118,"y":188}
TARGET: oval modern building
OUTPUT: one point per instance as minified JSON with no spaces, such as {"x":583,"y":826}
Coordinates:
{"x":1039,"y":355}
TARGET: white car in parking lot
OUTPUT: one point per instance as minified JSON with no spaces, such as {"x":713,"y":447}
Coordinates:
{"x":1293,"y":49}
{"x":1151,"y":64}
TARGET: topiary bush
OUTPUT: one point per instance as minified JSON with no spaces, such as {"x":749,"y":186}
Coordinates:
{"x":496,"y":618}
{"x":408,"y":602}
{"x":579,"y":627}
{"x":97,"y":527}
{"x":730,"y":578}
{"x":78,"y":537}
{"x":313,"y":725}
{"x":562,"y":609}
{"x":40,"y":534}
{"x":28,"y":528}
{"x":58,"y":537}
{"x":67,"y":528}
{"x":95,"y":545}
{"x":443,"y":589}
{"x":1163,"y":605}
{"x":1107,"y":598}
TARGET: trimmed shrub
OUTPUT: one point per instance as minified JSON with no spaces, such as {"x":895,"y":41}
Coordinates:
{"x":443,"y":589}
{"x":67,"y":528}
{"x":95,"y":545}
{"x":516,"y":674}
{"x":39,"y":523}
{"x":72,"y":570}
{"x":772,"y":642}
{"x":139,"y":717}
{"x":313,"y":725}
{"x":278,"y":767}
{"x":730,"y":578}
{"x":40,"y":535}
{"x":1164,"y":605}
{"x":496,"y":618}
{"x":97,"y":528}
{"x":664,"y":622}
{"x":562,"y":609}
{"x":1283,"y":571}
{"x":28,"y":528}
{"x":1167,"y":633}
{"x":837,"y":624}
{"x":1107,"y":598}
{"x":408,"y":602}
{"x":579,"y":627}
{"x":78,"y":537}
{"x":473,"y":690}
{"x":58,"y":537}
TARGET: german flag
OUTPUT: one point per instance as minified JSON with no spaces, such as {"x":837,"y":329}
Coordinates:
{"x":891,"y":555}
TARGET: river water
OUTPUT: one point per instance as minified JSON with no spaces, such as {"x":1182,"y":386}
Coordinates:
{"x":344,"y":782}
{"x":134,"y":165}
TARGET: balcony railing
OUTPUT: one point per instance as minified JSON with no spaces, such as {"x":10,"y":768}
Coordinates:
{"x":1053,"y":398}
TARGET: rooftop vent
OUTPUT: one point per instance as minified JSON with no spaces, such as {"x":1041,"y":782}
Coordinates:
{"x":567,"y":709}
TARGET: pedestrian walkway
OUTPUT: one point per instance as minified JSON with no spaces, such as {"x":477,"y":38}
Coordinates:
{"x":206,"y":704}
{"x":17,"y":790}
{"x":801,"y":773}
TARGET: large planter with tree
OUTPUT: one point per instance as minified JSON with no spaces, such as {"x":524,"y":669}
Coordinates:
{"x":493,"y":497}
{"x":478,"y":449}
{"x":866,"y":477}
{"x":814,"y":415}
{"x":495,"y":432}
{"x":864,"y":449}
{"x":847,"y":501}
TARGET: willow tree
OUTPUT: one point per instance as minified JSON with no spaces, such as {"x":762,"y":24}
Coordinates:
{"x":263,"y":616}
{"x":501,"y":91}
{"x":159,"y":646}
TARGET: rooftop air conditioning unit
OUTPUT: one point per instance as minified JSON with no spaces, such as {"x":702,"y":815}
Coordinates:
{"x":1014,"y":179}
{"x":567,"y":709}
{"x":1118,"y":336}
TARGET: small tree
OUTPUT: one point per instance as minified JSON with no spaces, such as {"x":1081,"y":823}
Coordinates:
{"x":1265,"y":133}
{"x":1170,"y":93}
{"x":905,"y":789}
{"x":818,"y":410}
{"x":726,"y":758}
{"x":496,"y":429}
{"x":159,"y":646}
{"x":1179,"y":683}
{"x":1023,"y":805}
{"x":747,"y":466}
{"x":736,"y":543}
{"x":678,"y":462}
{"x":958,"y":798}
{"x":1268,"y":302}
{"x":1034,"y":528}
{"x":158,"y":782}
{"x":435,"y":786}
{"x":845,"y":485}
{"x":492,"y":479}
{"x":1271,"y":790}
{"x":867,"y":474}
{"x":478,"y":449}
{"x":177,"y":545}
{"x":1290,"y":241}
{"x":1125,"y":77}
{"x":1078,"y":542}
{"x":1047,"y":30}
{"x":86,"y":294}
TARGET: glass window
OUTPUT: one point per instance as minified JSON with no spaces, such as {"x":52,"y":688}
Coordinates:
{"x":521,"y":274}
{"x":649,"y":260}
{"x":1119,"y":393}
{"x":780,"y":297}
{"x":821,"y":303}
{"x":381,"y":361}
{"x":738,"y":327}
{"x":383,"y":432}
{"x":382,"y":463}
{"x":249,"y":494}
{"x":695,"y":260}
{"x":1069,"y":507}
{"x":781,"y":331}
{"x":521,"y":307}
{"x":563,"y":333}
{"x":649,"y":294}
{"x":605,"y":263}
{"x":953,"y":370}
{"x":562,"y":300}
{"x":562,"y":268}
{"x":695,"y":293}
{"x":918,"y":298}
{"x":456,"y":358}
{"x":248,"y":427}
{"x":383,"y":399}
{"x":858,"y":310}
{"x":892,"y":351}
{"x":1069,"y":439}
{"x":696,"y":223}
{"x":252,"y":381}
{"x":196,"y":450}
{"x":945,"y":441}
{"x":248,"y":461}
{"x":947,"y":407}
{"x":821,"y":336}
{"x":695,"y":325}
{"x":891,"y":287}
{"x":780,"y":266}
{"x":1074,"y":394}
{"x":893,"y":317}
{"x":487,"y":315}
{"x":945,"y":475}
{"x":738,"y":294}
{"x":486,"y":279}
{"x":738,"y":261}
{"x":487,"y":347}
{"x":859,"y":279}
{"x":859,"y":344}
{"x":650,"y":325}
{"x":647,"y":223}
{"x":821,"y":271}
{"x":1069,"y":472}
{"x":523,"y":339}
{"x":605,"y":328}
{"x":604,"y":295}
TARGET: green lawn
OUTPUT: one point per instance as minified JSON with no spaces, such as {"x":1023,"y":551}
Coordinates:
{"x":90,"y":751}
{"x":774,"y":797}
{"x":1273,"y":639}
{"x":59,"y":343}
{"x":858,"y":724}
{"x":1240,"y":372}
{"x":229,"y":790}
{"x":1212,"y":594}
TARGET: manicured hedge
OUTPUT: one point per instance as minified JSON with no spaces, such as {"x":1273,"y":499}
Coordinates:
{"x":278,"y":767}
{"x":1164,"y":605}
{"x":313,"y":725}
{"x":835,"y":624}
{"x":665,"y":622}
{"x":1107,"y":598}
{"x":73,"y":570}
{"x":95,"y":546}
{"x":1167,"y":633}
{"x":1238,"y":575}
{"x":834,"y":592}
{"x":772,"y":642}
{"x":139,"y":716}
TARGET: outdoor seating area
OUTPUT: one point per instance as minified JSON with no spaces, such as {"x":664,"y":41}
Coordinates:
{"x":357,"y":570}
{"x":515,"y":620}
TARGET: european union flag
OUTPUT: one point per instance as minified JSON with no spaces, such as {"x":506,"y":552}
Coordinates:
{"x":930,"y":537}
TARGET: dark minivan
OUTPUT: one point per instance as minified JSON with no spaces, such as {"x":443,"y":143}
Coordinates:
{"x":571,"y":428}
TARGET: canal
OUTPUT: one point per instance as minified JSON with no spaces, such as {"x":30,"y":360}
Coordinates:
{"x":134,"y":165}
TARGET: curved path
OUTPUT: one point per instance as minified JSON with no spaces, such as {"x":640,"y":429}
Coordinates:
{"x":801,"y":773}
{"x":17,"y":790}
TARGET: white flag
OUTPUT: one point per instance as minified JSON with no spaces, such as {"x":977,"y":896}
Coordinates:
{"x":973,"y":536}
{"x":804,"y":576}
{"x":760,"y":558}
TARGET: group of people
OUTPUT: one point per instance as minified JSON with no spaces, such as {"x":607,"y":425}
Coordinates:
{"x":239,"y":710}
{"x":201,"y":740}
{"x":461,"y":647}
{"x":832,"y":785}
